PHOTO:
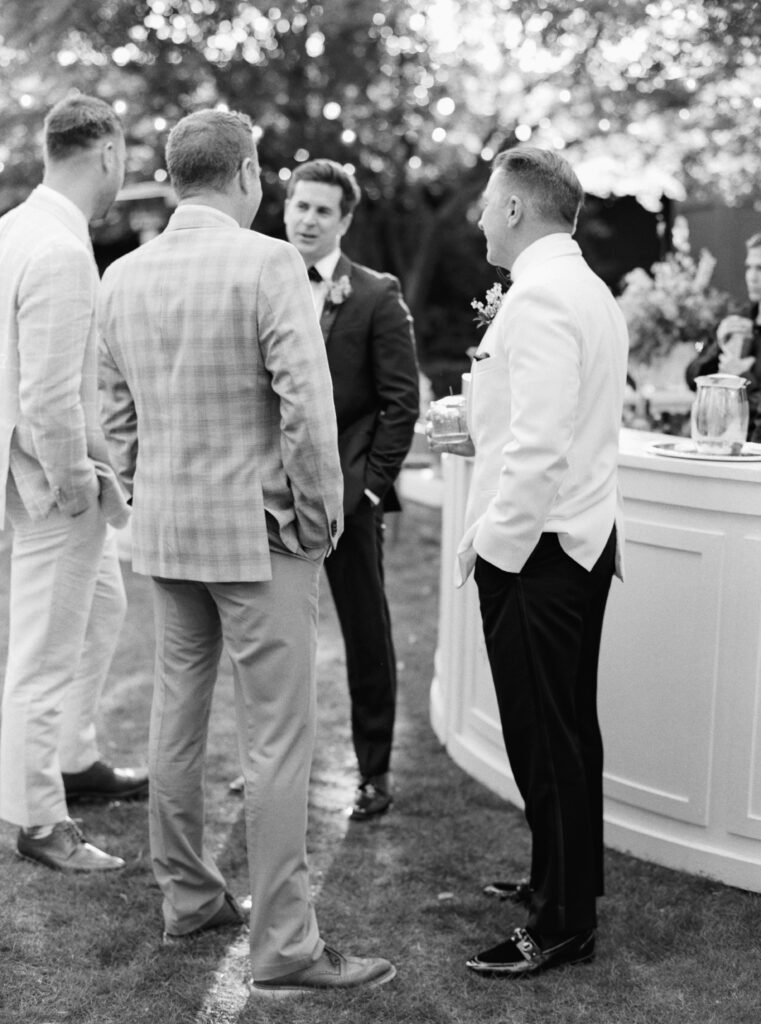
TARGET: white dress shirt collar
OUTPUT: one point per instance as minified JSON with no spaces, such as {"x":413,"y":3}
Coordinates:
{"x":196,"y":211}
{"x":327,"y":265}
{"x":67,"y":211}
{"x":545,"y":248}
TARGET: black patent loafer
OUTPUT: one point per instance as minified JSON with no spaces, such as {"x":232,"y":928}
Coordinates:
{"x":522,"y":955}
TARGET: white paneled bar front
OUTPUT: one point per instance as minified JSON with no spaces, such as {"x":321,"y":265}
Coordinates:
{"x":680,"y":669}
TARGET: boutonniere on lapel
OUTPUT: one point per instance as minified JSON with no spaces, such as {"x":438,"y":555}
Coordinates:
{"x":488,"y":309}
{"x":338,"y":291}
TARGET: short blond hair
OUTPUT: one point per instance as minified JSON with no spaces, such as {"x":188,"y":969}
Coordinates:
{"x":551,"y":182}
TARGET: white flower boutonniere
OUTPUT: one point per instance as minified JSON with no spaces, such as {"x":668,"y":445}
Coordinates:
{"x":487,"y":310}
{"x":339,"y":290}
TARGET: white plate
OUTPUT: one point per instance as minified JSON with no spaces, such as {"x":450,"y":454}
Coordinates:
{"x":687,"y":450}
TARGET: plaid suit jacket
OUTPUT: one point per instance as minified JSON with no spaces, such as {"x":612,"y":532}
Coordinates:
{"x":50,"y":435}
{"x":217,"y":402}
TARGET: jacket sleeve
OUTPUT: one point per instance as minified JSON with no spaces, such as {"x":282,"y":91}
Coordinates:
{"x":117,"y":406}
{"x":293,"y":352}
{"x":706,"y":361}
{"x":56,"y":310}
{"x":395,"y":373}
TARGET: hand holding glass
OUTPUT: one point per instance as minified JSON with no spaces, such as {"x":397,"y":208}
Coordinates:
{"x":447,"y":426}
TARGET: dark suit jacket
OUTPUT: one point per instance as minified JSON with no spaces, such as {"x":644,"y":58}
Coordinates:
{"x":371,"y":355}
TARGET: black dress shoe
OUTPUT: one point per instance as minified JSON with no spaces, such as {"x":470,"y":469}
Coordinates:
{"x":100,"y":783}
{"x":373,"y":799}
{"x":237,"y":786}
{"x":522,"y":955}
{"x":516,"y":892}
{"x":230,"y":915}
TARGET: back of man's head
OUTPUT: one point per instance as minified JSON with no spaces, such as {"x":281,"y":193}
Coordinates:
{"x":206,"y":149}
{"x":328,"y":172}
{"x":548,"y":181}
{"x":76,"y":124}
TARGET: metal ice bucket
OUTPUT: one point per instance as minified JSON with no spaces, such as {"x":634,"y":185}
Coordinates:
{"x":720,"y":412}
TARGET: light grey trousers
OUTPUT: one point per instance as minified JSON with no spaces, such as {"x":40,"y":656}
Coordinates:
{"x":269,"y":630}
{"x":67,"y":607}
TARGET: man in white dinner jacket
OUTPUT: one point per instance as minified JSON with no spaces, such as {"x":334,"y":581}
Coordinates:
{"x":541,"y":535}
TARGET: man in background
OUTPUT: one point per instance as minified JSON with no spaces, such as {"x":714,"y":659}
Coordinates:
{"x":737,"y":348}
{"x":218,"y":408}
{"x":545,"y":404}
{"x":371,"y":354}
{"x":57,"y":494}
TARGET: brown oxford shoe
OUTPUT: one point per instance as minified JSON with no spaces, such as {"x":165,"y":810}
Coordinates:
{"x":373,"y":798}
{"x":331,"y":970}
{"x":230,"y":915}
{"x":100,"y":783}
{"x":65,"y":849}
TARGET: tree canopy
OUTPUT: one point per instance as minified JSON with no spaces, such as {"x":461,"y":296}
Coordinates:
{"x":645,"y":97}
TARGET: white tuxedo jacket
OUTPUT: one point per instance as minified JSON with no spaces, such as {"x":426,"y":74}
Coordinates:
{"x":544,"y":410}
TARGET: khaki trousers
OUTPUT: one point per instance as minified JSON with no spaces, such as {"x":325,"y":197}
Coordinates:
{"x":67,"y":607}
{"x":269,"y":630}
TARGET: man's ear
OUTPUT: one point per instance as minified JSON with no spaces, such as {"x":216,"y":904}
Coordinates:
{"x":345,"y":224}
{"x":514,"y":210}
{"x":246,"y":173}
{"x":107,"y":155}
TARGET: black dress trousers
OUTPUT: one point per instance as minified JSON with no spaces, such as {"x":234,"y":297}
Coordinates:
{"x":355,"y":575}
{"x":542,"y":628}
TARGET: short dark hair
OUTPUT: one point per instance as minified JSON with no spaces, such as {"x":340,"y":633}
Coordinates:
{"x":555,"y":191}
{"x":328,"y":172}
{"x":754,"y":242}
{"x":77,"y":122}
{"x":206,"y":148}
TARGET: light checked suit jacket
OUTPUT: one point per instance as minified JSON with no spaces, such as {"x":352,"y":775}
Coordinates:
{"x":50,"y":435}
{"x":217,"y":401}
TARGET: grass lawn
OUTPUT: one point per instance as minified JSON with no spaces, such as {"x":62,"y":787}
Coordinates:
{"x":86,"y":950}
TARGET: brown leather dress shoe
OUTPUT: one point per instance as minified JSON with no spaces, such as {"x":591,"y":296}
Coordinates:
{"x":100,"y":783}
{"x":373,"y":798}
{"x":65,"y":849}
{"x":331,"y":970}
{"x":230,"y":915}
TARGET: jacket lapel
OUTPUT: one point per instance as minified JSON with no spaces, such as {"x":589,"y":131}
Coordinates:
{"x":330,"y":309}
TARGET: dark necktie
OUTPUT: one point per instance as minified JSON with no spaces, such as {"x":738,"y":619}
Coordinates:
{"x":314,"y":275}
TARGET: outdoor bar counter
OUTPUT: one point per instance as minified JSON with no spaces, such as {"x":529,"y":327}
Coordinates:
{"x":680,"y":671}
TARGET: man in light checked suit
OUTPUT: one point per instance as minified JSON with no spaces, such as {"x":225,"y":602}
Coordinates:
{"x":58,"y":495}
{"x":218,"y":409}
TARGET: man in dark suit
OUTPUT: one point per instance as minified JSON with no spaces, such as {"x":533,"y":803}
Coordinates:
{"x":371,"y":354}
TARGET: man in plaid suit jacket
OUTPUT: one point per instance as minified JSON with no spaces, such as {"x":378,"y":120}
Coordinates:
{"x":218,"y":410}
{"x":58,"y":494}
